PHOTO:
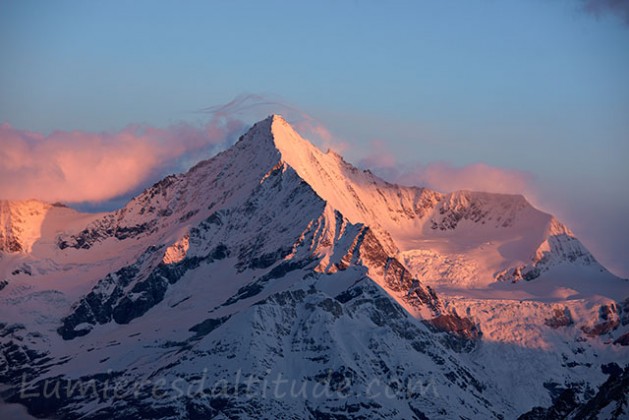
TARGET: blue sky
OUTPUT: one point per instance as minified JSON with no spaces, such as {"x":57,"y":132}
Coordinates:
{"x":536,"y":87}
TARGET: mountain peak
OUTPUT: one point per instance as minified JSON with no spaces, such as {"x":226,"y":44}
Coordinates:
{"x":269,"y":123}
{"x":275,"y":136}
{"x":277,"y":118}
{"x":271,"y":129}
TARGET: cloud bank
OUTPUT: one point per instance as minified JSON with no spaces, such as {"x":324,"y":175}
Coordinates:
{"x":78,"y":166}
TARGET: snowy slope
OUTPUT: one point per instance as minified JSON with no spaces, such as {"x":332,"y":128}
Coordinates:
{"x":277,"y":280}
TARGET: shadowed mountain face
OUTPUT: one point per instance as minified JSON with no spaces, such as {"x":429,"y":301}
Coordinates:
{"x":275,"y":280}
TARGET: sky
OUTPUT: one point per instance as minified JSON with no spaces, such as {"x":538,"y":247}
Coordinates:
{"x":100,"y":99}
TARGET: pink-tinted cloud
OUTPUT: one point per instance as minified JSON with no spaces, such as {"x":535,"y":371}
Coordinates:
{"x":445,"y":177}
{"x":379,"y":158}
{"x":77,"y":166}
{"x":597,"y":8}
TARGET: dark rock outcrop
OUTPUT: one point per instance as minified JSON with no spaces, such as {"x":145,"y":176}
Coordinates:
{"x":461,"y":333}
{"x":560,"y":318}
{"x":608,"y":321}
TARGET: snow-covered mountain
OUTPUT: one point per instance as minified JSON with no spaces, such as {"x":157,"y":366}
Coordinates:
{"x":278,"y":281}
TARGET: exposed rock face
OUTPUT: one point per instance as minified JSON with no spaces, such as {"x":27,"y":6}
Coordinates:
{"x":623,"y":340}
{"x":130,"y":293}
{"x":17,"y":360}
{"x":462,"y":332}
{"x":560,"y":318}
{"x":472,"y":207}
{"x":607,"y":322}
{"x":520,"y":272}
{"x":20,"y":223}
{"x":177,"y":251}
